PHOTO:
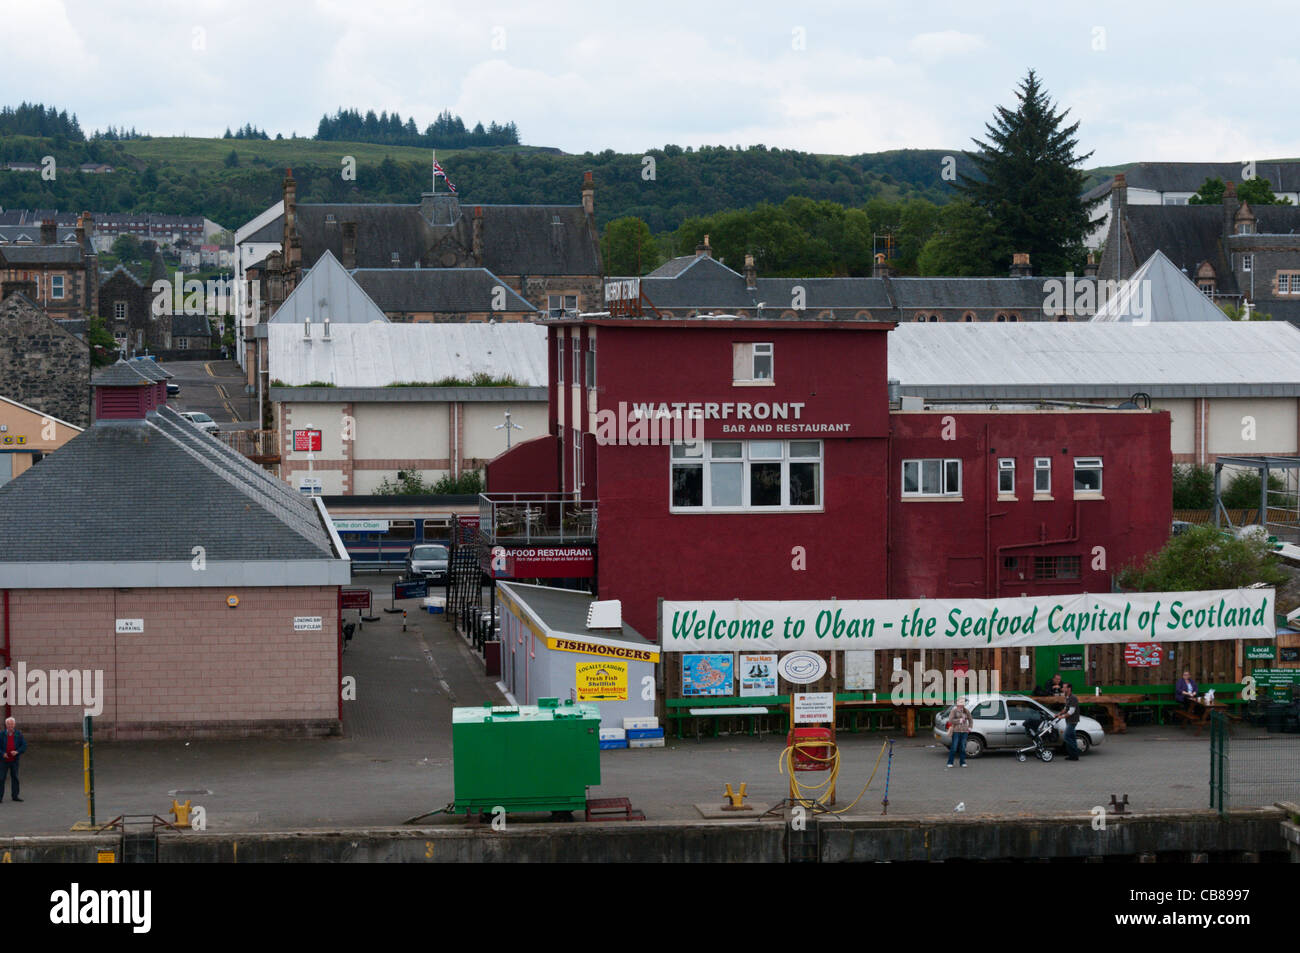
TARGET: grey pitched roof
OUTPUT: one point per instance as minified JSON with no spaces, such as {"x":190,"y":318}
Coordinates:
{"x":436,"y":289}
{"x":1187,"y":234}
{"x":123,"y":374}
{"x":32,"y":233}
{"x":328,"y":291}
{"x":1021,"y":293}
{"x":150,"y":491}
{"x":1158,"y":292}
{"x":125,"y":272}
{"x":517,"y":239}
{"x":190,"y":326}
{"x":151,"y":369}
{"x":40,"y":254}
{"x":74,"y":326}
{"x":1283,"y":176}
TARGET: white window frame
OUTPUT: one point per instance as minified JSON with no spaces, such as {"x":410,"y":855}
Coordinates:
{"x":946,"y":492}
{"x":744,"y":361}
{"x":591,"y":363}
{"x":1088,"y":463}
{"x":560,"y":355}
{"x":577,"y":359}
{"x":119,"y":310}
{"x":1007,"y":467}
{"x":58,"y":287}
{"x":565,"y":310}
{"x":1247,"y":262}
{"x":700,"y":455}
{"x":1043,"y":466}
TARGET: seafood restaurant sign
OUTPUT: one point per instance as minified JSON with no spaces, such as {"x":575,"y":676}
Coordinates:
{"x":1085,"y":618}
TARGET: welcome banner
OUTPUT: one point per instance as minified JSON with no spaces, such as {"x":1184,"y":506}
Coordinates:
{"x":1085,"y":618}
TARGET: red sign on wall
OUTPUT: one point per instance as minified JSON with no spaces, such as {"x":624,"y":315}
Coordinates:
{"x":306,"y":440}
{"x":354,"y":599}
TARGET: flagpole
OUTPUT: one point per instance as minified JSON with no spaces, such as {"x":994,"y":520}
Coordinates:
{"x":434,"y":169}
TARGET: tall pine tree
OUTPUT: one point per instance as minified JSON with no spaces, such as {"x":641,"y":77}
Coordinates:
{"x":1027,"y":178}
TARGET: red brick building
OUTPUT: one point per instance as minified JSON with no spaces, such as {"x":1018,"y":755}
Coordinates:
{"x":810,"y":482}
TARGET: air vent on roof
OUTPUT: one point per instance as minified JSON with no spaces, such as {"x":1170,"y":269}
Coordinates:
{"x":306,"y":329}
{"x":326,"y":334}
{"x":607,"y":614}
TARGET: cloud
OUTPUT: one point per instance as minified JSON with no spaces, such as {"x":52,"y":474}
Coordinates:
{"x":932,"y":47}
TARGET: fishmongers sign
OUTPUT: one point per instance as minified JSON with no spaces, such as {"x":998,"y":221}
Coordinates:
{"x":979,"y":623}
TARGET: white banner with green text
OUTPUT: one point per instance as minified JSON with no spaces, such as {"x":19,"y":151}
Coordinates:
{"x":1086,"y":618}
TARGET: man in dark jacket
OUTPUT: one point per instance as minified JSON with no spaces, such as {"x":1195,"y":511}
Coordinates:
{"x":1071,"y":716}
{"x":12,"y":747}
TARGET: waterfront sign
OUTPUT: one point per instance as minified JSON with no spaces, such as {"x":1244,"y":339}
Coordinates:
{"x":1079,"y":619}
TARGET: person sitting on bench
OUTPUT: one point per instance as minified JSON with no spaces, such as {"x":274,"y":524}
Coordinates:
{"x":1185,"y":691}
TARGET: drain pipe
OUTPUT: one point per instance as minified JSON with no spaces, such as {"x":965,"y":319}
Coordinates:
{"x":5,"y":650}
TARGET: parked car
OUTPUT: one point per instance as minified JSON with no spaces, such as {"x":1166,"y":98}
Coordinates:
{"x":428,"y":560}
{"x":201,"y":420}
{"x":173,"y":390}
{"x":998,"y":721}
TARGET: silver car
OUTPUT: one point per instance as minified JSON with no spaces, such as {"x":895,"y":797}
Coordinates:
{"x":201,"y":420}
{"x":428,"y":560}
{"x":998,"y":721}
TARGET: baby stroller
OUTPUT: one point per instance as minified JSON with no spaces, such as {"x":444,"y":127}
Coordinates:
{"x":1042,"y":734}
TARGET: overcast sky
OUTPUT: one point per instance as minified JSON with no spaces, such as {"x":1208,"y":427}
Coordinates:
{"x":1189,"y":82}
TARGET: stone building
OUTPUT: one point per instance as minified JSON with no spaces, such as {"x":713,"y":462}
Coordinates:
{"x":1235,"y":253}
{"x":42,"y":365}
{"x":61,"y":276}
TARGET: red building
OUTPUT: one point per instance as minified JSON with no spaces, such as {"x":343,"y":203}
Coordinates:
{"x":800,"y":479}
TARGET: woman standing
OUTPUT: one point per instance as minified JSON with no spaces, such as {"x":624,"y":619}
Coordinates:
{"x":960,"y":724}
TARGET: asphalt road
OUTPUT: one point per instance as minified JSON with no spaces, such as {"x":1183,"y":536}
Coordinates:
{"x":217,"y":389}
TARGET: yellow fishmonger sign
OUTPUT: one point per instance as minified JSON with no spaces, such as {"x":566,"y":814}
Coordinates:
{"x":601,"y":681}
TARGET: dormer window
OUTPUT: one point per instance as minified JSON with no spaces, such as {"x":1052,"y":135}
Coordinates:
{"x":1245,"y":228}
{"x":396,"y":259}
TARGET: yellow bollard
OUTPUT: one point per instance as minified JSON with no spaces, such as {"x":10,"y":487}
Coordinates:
{"x":736,"y":799}
{"x":181,"y":812}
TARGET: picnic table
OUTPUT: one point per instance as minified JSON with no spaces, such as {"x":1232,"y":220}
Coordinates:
{"x":1111,"y":703}
{"x":1199,"y":712}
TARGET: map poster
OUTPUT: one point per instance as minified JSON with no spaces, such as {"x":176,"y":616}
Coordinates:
{"x":1143,"y":654}
{"x":860,"y":671}
{"x":707,"y":674}
{"x":758,"y":674}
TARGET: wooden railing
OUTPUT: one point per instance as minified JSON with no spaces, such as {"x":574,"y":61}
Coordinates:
{"x":263,"y":446}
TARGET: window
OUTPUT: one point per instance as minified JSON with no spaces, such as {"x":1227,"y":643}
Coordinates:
{"x":992,"y":709}
{"x":1087,"y":475}
{"x":119,"y":310}
{"x":439,"y":528}
{"x":1247,"y":262}
{"x":1007,"y":476}
{"x":182,"y":344}
{"x":577,"y":360}
{"x":752,"y":363}
{"x":591,"y":363}
{"x":1288,"y":282}
{"x":747,"y":475}
{"x":400,"y":529}
{"x":1056,"y":567}
{"x":559,"y":355}
{"x":56,"y":286}
{"x":562,"y":306}
{"x":1042,"y":476}
{"x":932,"y":478}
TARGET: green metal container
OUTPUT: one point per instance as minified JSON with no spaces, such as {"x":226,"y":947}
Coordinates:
{"x":527,"y":758}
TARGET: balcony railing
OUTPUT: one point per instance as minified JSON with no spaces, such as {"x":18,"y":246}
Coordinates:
{"x":261,"y":446}
{"x":527,"y":519}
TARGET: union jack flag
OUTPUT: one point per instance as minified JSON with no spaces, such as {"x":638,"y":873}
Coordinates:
{"x":438,"y":171}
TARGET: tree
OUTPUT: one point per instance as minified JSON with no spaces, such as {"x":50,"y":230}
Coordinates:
{"x":1029,"y":181}
{"x":232,"y":159}
{"x":1210,"y":193}
{"x":1258,"y":191}
{"x":1242,"y":491}
{"x":126,"y":248}
{"x":1204,"y":558}
{"x":966,"y":243}
{"x":1239,"y":313}
{"x":628,"y":247}
{"x":1193,"y":487}
{"x":103,"y":348}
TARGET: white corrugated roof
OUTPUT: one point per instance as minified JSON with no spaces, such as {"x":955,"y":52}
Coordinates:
{"x":1057,"y":359}
{"x":1158,"y":291}
{"x":328,"y":291}
{"x":379,"y":354}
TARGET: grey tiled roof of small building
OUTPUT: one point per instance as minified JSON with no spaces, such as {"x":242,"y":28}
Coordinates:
{"x":151,"y":490}
{"x":436,"y":289}
{"x":122,"y":374}
{"x":190,"y":326}
{"x":922,"y":293}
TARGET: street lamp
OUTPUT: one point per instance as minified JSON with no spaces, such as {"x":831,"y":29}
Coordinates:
{"x":507,"y":427}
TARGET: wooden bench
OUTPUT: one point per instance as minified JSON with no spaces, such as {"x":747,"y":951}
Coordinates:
{"x":849,"y":707}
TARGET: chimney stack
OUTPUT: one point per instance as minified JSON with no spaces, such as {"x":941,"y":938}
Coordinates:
{"x":702,"y":250}
{"x":1119,"y":190}
{"x":49,"y":232}
{"x":1020,"y":265}
{"x":588,"y":194}
{"x":477,"y":240}
{"x":1230,"y":206}
{"x":1090,"y":269}
{"x":880,"y":267}
{"x":349,"y":245}
{"x":751,"y":274}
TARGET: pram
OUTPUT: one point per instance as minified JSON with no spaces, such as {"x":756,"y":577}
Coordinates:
{"x":1041,"y":733}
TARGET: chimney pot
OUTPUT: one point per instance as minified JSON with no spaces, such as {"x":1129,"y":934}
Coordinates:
{"x":1020,"y":265}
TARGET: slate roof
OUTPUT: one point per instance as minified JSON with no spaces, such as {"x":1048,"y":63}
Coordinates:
{"x":1190,"y":176}
{"x":1010,"y":293}
{"x":151,"y":490}
{"x":32,"y":233}
{"x":190,"y":326}
{"x":436,"y":289}
{"x":517,"y":239}
{"x":328,"y":291}
{"x":41,"y":254}
{"x":1186,"y":234}
{"x":123,"y":374}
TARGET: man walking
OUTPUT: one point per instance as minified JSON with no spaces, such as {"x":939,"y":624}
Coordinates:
{"x":12,"y":747}
{"x":960,"y":724}
{"x":1071,"y":716}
